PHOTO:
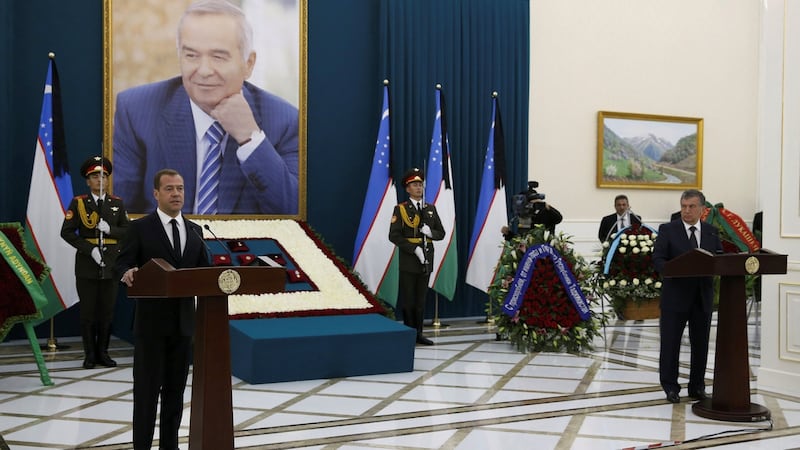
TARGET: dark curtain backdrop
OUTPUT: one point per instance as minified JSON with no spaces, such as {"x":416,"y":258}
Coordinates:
{"x":348,"y":58}
{"x":471,"y":48}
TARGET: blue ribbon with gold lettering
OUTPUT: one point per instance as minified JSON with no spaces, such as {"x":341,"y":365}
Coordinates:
{"x":522,"y":279}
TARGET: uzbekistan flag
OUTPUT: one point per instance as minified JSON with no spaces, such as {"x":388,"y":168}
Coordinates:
{"x":48,"y":199}
{"x":439,"y":192}
{"x":374,"y":256}
{"x":486,"y":244}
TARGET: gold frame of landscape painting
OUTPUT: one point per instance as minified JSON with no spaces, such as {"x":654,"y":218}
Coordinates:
{"x":649,"y":151}
{"x":139,"y":47}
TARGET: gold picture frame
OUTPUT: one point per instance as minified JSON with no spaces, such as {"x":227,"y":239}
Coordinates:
{"x":649,"y":151}
{"x":141,"y":35}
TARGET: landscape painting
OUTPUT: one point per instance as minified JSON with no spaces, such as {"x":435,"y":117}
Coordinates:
{"x":649,"y":151}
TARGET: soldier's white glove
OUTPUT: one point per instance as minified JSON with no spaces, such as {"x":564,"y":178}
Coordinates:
{"x":426,"y":230}
{"x":103,"y":226}
{"x":98,"y":259}
{"x":420,"y":255}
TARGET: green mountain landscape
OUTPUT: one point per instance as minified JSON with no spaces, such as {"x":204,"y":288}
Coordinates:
{"x":649,"y":159}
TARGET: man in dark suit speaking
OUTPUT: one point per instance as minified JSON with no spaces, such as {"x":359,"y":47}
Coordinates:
{"x":162,"y":327}
{"x":685,"y":299}
{"x":236,"y":143}
{"x":622,"y":218}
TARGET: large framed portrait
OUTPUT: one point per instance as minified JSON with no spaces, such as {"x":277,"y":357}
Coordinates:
{"x":649,"y":151}
{"x":154,"y":105}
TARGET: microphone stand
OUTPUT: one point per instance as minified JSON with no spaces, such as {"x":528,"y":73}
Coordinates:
{"x":222,"y":244}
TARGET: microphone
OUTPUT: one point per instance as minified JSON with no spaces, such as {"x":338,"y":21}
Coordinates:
{"x":225,"y":247}
{"x":203,"y":240}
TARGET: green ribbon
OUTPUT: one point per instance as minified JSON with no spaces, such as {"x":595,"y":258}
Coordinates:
{"x":716,"y":218}
{"x":22,"y":270}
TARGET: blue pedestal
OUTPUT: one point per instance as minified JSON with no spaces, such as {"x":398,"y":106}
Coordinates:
{"x":307,"y":348}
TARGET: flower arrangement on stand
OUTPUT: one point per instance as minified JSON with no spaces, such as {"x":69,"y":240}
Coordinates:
{"x":626,"y":275}
{"x":547,"y":318}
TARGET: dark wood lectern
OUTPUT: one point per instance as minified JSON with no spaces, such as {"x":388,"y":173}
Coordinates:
{"x":730,"y":399}
{"x":211,"y":421}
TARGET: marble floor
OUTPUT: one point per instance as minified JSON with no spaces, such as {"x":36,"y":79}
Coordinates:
{"x":469,"y":391}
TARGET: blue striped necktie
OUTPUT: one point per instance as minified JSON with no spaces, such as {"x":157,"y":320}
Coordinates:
{"x":209,"y":175}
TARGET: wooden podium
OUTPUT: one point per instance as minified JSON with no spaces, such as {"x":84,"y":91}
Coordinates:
{"x":730,"y":398}
{"x":211,"y":421}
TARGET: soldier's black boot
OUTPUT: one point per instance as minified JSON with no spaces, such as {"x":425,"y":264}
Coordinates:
{"x":87,"y":336}
{"x":103,"y":337}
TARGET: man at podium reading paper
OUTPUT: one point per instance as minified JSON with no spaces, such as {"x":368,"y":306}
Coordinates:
{"x":163,"y":328}
{"x":685,"y":299}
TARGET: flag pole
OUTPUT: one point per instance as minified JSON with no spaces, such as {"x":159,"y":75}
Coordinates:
{"x":436,"y":322}
{"x":490,"y":315}
{"x":52,"y":342}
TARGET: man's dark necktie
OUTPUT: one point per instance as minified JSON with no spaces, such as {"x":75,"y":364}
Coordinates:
{"x":419,"y":207}
{"x":176,"y":238}
{"x":692,"y":237}
{"x":99,"y":203}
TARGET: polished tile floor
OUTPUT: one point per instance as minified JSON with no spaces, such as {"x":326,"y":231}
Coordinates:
{"x":466,"y":392}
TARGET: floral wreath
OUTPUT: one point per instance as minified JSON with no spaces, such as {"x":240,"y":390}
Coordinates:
{"x":625,"y":271}
{"x":546,"y":320}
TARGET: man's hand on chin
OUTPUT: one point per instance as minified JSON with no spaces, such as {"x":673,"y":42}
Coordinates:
{"x":236,"y":117}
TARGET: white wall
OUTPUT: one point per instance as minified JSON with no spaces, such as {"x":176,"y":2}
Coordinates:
{"x":779,"y":141}
{"x":669,"y":57}
{"x":734,"y":63}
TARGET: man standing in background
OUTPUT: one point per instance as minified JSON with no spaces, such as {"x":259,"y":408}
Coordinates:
{"x":623,"y":217}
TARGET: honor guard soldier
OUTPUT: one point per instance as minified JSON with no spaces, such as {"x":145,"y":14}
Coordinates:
{"x":94,"y":224}
{"x":415,"y":224}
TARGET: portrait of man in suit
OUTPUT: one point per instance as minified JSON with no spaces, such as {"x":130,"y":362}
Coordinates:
{"x":236,"y":143}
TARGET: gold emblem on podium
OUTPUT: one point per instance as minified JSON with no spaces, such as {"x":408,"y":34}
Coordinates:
{"x":751,"y":265}
{"x":229,"y":281}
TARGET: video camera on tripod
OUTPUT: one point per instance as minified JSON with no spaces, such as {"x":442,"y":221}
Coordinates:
{"x":525,"y":204}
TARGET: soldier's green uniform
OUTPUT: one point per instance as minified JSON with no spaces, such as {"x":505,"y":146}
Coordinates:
{"x":95,"y":279}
